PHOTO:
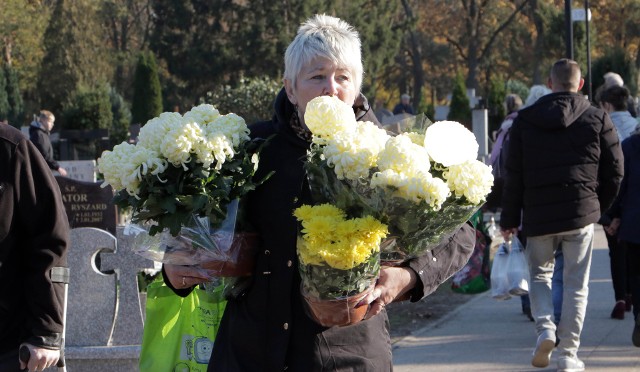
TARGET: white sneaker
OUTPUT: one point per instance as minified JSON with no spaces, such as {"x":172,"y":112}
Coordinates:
{"x":544,"y":347}
{"x":570,"y":364}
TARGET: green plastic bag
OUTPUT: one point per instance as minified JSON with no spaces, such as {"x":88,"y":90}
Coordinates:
{"x":179,"y":332}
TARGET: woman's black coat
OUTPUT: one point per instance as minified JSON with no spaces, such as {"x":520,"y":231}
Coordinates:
{"x":266,"y":327}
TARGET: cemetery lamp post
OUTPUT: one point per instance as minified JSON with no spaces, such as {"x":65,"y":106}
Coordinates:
{"x":569,"y":28}
{"x":587,"y":19}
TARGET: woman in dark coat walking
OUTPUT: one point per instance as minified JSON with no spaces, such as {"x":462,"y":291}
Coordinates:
{"x":626,"y":219}
{"x":266,"y":328}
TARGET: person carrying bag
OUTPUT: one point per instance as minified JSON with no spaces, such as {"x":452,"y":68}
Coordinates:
{"x":179,"y":332}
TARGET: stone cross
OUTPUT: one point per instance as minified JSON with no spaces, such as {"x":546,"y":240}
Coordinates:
{"x":92,"y":294}
{"x":128,"y":325}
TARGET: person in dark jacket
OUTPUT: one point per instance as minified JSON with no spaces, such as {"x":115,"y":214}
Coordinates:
{"x":404,"y":106}
{"x":564,"y":169}
{"x":626,"y":219}
{"x":614,"y":101}
{"x":39,"y":133}
{"x":34,"y":234}
{"x":266,"y":327}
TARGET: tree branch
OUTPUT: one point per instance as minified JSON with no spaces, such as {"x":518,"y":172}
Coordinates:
{"x":458,"y":46}
{"x":504,"y":25}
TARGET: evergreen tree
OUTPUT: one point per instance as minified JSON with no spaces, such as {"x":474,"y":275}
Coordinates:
{"x":251,"y":98}
{"x":74,"y":54}
{"x":16,"y":104}
{"x":147,"y":95}
{"x":58,"y":77}
{"x":495,"y":101}
{"x":89,"y":109}
{"x":519,"y":88}
{"x":121,"y":117}
{"x":4,"y":101}
{"x":380,"y":32}
{"x":459,"y":108}
{"x":615,"y":60}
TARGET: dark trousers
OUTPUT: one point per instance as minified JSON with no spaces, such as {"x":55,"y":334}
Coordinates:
{"x":633,"y":255}
{"x":620,"y":266}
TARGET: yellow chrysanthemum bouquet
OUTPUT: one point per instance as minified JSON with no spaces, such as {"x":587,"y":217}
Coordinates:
{"x":339,"y":260}
{"x":424,"y":186}
{"x":184,"y":179}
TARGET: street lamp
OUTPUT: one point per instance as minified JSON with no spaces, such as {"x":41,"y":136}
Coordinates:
{"x":578,"y":14}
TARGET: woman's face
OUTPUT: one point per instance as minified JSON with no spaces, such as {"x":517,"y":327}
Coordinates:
{"x":321,"y":77}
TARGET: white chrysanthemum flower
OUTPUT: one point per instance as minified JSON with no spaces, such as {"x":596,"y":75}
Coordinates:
{"x":202,"y":114}
{"x":204,"y":152}
{"x":351,"y":156}
{"x":222,"y":148}
{"x":417,"y":138}
{"x":472,"y":179}
{"x":403,"y":156}
{"x":417,"y":188}
{"x":124,"y":166}
{"x":375,"y":136}
{"x":154,"y":131}
{"x":450,"y":143}
{"x":179,"y":142}
{"x":231,"y":126}
{"x":325,"y":116}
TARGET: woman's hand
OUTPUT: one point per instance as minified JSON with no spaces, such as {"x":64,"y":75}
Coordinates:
{"x":392,"y":284}
{"x":182,"y":277}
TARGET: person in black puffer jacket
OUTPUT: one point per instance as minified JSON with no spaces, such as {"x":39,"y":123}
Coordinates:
{"x":564,"y":169}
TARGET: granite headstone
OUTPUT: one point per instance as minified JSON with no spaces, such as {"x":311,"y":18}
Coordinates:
{"x":104,"y":316}
{"x":87,"y":204}
{"x":92,"y":294}
{"x":80,"y":170}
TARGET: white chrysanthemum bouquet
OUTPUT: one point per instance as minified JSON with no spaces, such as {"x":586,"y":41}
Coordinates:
{"x":423,"y":186}
{"x":184,"y":178}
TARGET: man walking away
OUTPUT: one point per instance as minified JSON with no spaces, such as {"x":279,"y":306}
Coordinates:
{"x":564,"y":169}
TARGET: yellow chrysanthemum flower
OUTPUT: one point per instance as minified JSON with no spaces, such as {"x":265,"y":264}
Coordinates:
{"x":330,"y":238}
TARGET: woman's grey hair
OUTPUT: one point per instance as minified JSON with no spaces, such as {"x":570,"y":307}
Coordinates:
{"x":328,"y":37}
{"x":535,"y":93}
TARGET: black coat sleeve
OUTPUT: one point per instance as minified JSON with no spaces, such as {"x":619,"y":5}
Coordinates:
{"x":43,"y":243}
{"x":611,"y":165}
{"x":438,"y":265}
{"x":513,"y":191}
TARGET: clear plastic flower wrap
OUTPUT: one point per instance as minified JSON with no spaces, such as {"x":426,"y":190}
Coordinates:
{"x":220,"y":252}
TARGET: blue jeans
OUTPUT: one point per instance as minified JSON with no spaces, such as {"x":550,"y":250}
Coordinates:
{"x":577,"y":246}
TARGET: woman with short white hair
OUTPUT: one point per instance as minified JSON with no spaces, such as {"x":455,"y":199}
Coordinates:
{"x":265,"y":326}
